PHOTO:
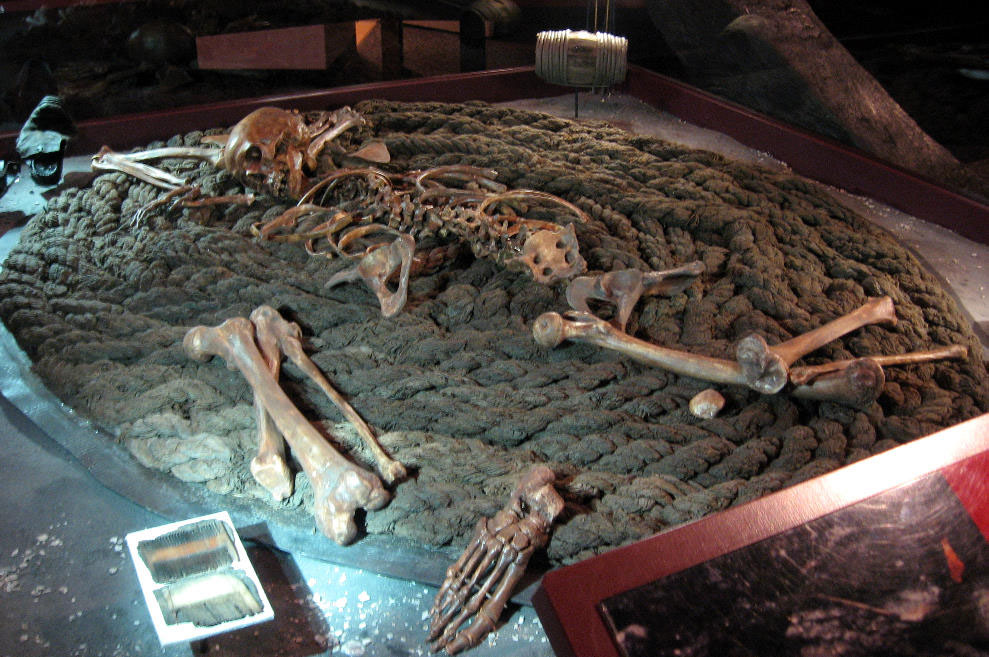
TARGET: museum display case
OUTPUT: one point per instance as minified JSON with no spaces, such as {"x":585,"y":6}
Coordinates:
{"x":405,"y":244}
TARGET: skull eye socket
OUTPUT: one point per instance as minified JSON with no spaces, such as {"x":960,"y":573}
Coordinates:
{"x":252,"y":154}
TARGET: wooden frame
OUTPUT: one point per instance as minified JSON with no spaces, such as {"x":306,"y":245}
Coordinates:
{"x":569,"y":600}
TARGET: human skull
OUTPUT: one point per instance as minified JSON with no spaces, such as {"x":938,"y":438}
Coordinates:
{"x":266,"y":151}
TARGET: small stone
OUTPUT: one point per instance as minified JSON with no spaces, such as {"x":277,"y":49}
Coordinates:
{"x":707,"y":404}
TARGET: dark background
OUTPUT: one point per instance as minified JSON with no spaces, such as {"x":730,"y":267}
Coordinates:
{"x":932,"y":58}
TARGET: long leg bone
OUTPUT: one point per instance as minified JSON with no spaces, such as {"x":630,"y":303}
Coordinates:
{"x":858,"y":384}
{"x":268,"y":467}
{"x":767,"y":368}
{"x":340,"y":487}
{"x":623,"y":288}
{"x":482,"y":580}
{"x":550,"y":329}
{"x":802,"y":375}
{"x":272,"y":327}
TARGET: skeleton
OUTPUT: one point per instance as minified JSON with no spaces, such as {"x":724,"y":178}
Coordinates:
{"x":461,"y":202}
{"x":276,"y":151}
{"x":340,"y":487}
{"x":271,"y":150}
{"x":759,"y":367}
{"x":480,"y":583}
{"x":291,"y":155}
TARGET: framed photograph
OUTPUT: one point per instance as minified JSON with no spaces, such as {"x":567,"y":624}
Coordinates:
{"x":889,"y":555}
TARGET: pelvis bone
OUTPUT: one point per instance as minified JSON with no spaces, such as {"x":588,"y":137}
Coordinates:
{"x":625,"y":287}
{"x":340,"y":487}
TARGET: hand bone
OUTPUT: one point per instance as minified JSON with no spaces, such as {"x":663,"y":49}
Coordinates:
{"x":482,"y":580}
{"x":340,"y":488}
{"x":625,"y":287}
{"x":273,"y":329}
{"x":767,"y":368}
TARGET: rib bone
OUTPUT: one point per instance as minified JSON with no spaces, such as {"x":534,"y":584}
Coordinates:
{"x":272,"y":327}
{"x":623,"y":288}
{"x":802,"y":375}
{"x":767,"y":368}
{"x":339,"y":486}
